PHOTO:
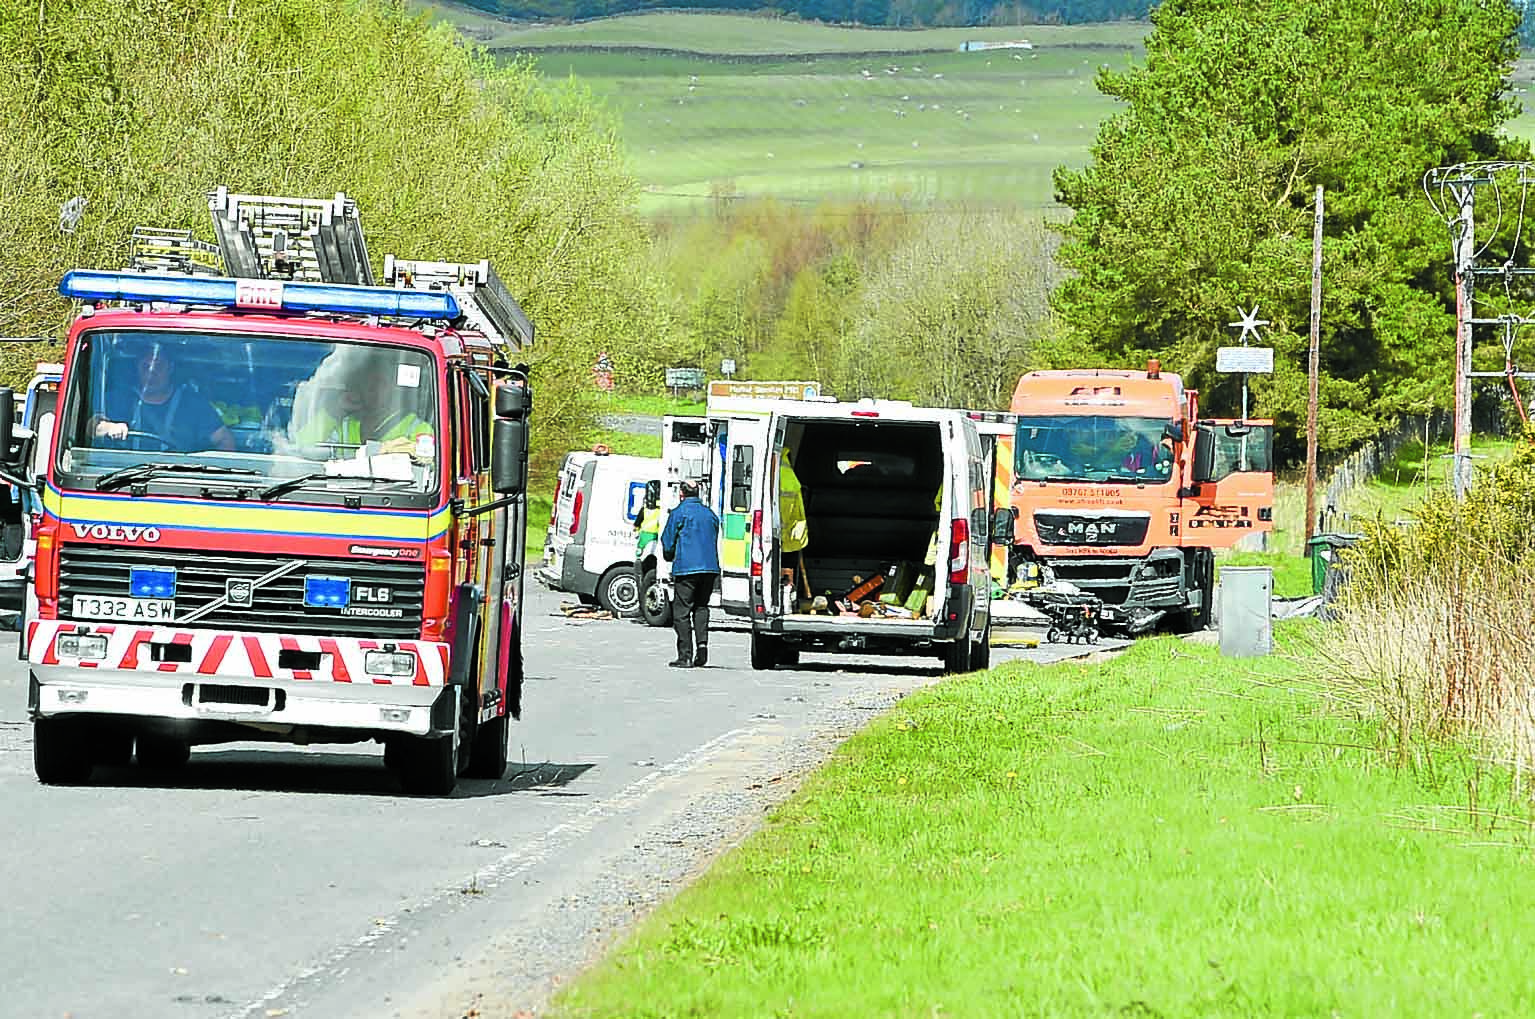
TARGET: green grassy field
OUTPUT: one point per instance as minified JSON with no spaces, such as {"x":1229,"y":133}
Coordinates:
{"x":1166,"y":834}
{"x":805,"y":121}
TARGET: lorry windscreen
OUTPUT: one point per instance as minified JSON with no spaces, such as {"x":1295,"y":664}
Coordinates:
{"x":278,"y":407}
{"x":1093,"y":448}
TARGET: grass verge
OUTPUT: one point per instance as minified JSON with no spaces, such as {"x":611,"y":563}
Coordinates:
{"x":1165,"y":834}
{"x":1292,"y":572}
{"x":651,"y":406}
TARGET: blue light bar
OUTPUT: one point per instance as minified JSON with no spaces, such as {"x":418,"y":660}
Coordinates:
{"x":152,"y":582}
{"x":257,"y":295}
{"x":327,"y":592}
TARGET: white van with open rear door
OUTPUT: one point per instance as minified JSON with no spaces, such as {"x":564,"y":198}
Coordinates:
{"x":895,"y":522}
{"x":590,"y":547}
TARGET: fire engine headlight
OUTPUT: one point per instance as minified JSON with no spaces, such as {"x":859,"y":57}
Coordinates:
{"x":82,"y":645}
{"x":389,"y":663}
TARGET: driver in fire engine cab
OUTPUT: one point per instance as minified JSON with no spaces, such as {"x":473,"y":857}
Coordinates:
{"x":162,"y":414}
{"x":369,"y":409}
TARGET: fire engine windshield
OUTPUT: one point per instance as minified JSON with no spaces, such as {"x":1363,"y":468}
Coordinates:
{"x":1093,"y":448}
{"x":274,"y":414}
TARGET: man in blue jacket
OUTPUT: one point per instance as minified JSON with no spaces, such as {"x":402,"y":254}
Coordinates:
{"x":690,"y":542}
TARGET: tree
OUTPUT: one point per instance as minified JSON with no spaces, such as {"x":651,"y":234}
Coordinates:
{"x":951,"y":316}
{"x":1198,"y":196}
{"x":142,"y":108}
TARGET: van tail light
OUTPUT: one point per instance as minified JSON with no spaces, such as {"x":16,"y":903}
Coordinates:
{"x":554,"y":507}
{"x":959,"y":551}
{"x":757,"y":553}
{"x":575,"y":512}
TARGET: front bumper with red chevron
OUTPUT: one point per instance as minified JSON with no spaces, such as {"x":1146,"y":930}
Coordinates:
{"x":156,"y":672}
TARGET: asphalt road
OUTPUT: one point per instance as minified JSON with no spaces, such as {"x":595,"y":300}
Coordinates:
{"x":267,"y":880}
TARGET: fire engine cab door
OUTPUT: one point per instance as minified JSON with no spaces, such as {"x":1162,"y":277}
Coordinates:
{"x":740,"y":465}
{"x":1231,"y":492}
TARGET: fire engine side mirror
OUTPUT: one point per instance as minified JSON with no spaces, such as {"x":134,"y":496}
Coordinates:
{"x":509,"y":439}
{"x":1174,"y":431}
{"x":1004,"y":525}
{"x":7,"y":422}
{"x":509,"y":456}
{"x":513,"y":401}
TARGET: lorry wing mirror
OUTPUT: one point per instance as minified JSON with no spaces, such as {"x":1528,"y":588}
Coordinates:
{"x":1173,"y":431}
{"x":1204,"y":453}
{"x":1004,"y":525}
{"x":652,"y":494}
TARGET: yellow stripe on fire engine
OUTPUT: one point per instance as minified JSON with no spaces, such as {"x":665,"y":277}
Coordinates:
{"x":325,"y":522}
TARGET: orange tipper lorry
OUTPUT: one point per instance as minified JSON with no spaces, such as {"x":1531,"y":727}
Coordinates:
{"x":284,"y":503}
{"x":1118,"y":486}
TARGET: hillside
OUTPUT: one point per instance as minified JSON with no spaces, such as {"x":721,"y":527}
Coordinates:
{"x":874,"y":13}
{"x":725,"y":106}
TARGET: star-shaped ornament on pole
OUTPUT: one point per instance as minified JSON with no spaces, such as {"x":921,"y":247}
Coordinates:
{"x":1248,"y":322}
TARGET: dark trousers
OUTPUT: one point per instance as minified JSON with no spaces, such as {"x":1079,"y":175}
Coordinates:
{"x":690,"y":611}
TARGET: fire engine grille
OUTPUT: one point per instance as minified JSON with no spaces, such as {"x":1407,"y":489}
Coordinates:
{"x":277,"y":606}
{"x":1091,"y":529}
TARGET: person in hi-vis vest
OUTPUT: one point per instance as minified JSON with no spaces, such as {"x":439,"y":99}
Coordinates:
{"x":791,"y":514}
{"x":368,"y":410}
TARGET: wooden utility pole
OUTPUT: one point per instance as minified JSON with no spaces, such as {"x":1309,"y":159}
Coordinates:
{"x":1465,"y":263}
{"x":1316,"y":343}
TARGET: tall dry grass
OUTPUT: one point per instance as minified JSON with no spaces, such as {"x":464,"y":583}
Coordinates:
{"x":1434,"y":631}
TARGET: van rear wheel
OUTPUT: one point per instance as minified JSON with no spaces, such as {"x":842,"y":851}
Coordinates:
{"x":957,"y":656}
{"x":619,"y":591}
{"x":980,"y":654}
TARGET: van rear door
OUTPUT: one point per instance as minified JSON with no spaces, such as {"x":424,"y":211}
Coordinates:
{"x":740,"y":464}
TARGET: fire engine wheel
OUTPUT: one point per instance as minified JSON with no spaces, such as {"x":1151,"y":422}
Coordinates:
{"x":61,"y":751}
{"x":112,"y":749}
{"x":619,"y":591}
{"x":163,"y":753}
{"x":655,"y":609}
{"x":430,"y":765}
{"x":492,"y":747}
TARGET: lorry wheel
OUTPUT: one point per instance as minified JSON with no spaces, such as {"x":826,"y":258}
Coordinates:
{"x":163,"y":753}
{"x":655,"y":608}
{"x":619,"y":591}
{"x":1198,"y":619}
{"x":1052,"y":636}
{"x":956,"y":658}
{"x":61,"y":751}
{"x":788,"y":655}
{"x":980,"y":654}
{"x":492,"y":746}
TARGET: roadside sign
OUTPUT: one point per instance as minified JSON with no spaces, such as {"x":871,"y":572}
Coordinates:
{"x":728,"y":366}
{"x":1249,"y":360}
{"x":766,"y":390}
{"x":684,"y":378}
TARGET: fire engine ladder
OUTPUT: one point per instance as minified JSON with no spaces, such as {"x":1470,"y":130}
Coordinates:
{"x":313,"y":239}
{"x":492,"y":316}
{"x":152,"y":249}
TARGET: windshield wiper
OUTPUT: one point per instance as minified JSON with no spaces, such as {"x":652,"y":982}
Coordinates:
{"x":289,"y":484}
{"x":143,"y":472}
